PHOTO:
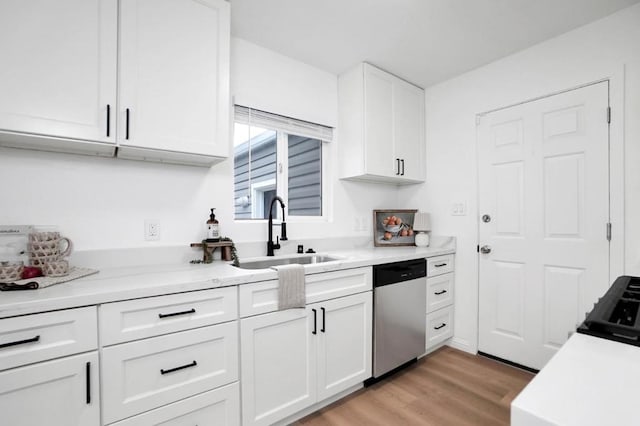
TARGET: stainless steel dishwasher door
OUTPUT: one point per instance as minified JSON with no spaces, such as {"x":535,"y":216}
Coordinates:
{"x":399,"y":324}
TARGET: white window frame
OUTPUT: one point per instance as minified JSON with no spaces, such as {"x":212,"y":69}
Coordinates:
{"x":257,"y":196}
{"x":282,"y":180}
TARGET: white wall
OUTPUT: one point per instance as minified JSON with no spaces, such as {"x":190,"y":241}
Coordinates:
{"x":607,"y":48}
{"x":268,"y":81}
{"x":102,"y":203}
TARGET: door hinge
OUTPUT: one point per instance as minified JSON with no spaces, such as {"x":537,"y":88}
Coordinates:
{"x":608,"y":231}
{"x":609,"y":115}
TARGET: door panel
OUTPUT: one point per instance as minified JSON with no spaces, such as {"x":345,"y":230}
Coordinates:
{"x":278,"y":365}
{"x":58,"y":389}
{"x":62,"y":72}
{"x":378,"y":105}
{"x":408,"y":128}
{"x":562,"y":292}
{"x":186,"y":115}
{"x":344,"y":347}
{"x":543,"y":179}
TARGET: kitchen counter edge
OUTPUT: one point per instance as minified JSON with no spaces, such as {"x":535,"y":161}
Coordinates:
{"x":117,"y":284}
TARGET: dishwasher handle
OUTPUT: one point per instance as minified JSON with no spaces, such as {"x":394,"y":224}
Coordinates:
{"x":397,"y":272}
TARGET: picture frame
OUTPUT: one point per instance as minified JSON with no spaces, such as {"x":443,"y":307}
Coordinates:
{"x":398,"y":233}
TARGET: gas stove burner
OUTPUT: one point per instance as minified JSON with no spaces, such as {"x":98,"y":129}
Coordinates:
{"x":615,"y":316}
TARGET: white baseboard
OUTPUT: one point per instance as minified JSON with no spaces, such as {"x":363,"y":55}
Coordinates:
{"x":463,"y":345}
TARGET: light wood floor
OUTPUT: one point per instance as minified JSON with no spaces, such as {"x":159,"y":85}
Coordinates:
{"x":447,"y":387}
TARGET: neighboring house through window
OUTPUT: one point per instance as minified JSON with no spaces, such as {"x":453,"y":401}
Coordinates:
{"x":275,"y":155}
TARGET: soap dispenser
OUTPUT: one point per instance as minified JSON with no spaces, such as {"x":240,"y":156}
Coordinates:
{"x":213,"y":228}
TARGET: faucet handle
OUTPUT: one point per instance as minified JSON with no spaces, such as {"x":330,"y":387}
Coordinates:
{"x":277,"y":244}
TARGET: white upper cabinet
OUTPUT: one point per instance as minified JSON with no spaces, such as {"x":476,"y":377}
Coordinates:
{"x":58,"y":74}
{"x":381,"y":127}
{"x":174,"y":79}
{"x":170,"y":59}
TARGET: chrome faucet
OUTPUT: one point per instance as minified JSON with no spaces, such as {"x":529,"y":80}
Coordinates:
{"x":283,"y":237}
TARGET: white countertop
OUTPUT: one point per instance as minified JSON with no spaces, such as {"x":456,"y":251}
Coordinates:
{"x":113,"y":284}
{"x":590,"y":381}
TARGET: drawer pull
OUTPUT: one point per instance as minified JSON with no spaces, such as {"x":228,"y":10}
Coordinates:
{"x":88,"y":389}
{"x":182,"y":367}
{"x":190,"y":311}
{"x":438,"y":293}
{"x":126,"y":136}
{"x":440,"y":326}
{"x":20,"y":342}
{"x":108,"y":120}
{"x":315,"y":322}
{"x":440,"y":265}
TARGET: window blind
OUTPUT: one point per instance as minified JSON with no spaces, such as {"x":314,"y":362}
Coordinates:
{"x":255,"y":117}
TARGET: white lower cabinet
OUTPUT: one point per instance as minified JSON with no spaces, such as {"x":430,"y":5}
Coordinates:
{"x":344,"y":343}
{"x":60,"y":392}
{"x":292,"y":359}
{"x":219,"y":407}
{"x":150,"y":373}
{"x":278,"y":368}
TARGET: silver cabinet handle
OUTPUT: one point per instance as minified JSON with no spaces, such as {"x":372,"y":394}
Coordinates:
{"x":485,"y":249}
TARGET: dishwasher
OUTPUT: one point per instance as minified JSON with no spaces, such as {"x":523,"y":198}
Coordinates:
{"x":399,"y":314}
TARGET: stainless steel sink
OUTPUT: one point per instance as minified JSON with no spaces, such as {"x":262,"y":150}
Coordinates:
{"x":302,"y":260}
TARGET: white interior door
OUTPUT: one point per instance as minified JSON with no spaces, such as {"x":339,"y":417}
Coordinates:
{"x":544,"y":186}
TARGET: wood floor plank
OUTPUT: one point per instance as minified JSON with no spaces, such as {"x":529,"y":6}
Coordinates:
{"x":447,"y":387}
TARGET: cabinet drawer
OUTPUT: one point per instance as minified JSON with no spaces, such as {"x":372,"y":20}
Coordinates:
{"x":220,"y":407}
{"x":141,"y":318}
{"x":262,"y":297}
{"x":147,"y":374}
{"x":439,"y":292}
{"x":439,"y":265}
{"x":32,"y":338}
{"x":439,"y":326}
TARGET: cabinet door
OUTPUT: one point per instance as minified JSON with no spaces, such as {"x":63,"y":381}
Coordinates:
{"x":61,"y":392}
{"x":59,"y":68}
{"x":378,"y":124}
{"x":344,"y":343}
{"x":278,"y":365}
{"x":408,"y":129}
{"x":174,"y":75}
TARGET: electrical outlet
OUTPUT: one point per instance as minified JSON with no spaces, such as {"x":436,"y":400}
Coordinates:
{"x":151,"y":230}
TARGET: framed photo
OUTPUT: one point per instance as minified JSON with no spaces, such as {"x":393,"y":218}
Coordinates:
{"x":393,"y":228}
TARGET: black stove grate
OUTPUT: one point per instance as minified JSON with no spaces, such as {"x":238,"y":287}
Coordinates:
{"x":615,"y":316}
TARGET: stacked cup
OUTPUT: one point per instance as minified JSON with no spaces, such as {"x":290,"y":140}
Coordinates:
{"x":47,"y":250}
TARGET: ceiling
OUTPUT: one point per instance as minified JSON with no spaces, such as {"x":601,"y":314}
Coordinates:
{"x":423,"y":41}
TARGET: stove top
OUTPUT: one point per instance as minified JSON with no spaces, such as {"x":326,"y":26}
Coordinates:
{"x":615,"y":316}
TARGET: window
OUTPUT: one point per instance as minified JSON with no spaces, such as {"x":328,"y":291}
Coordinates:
{"x":276,"y":155}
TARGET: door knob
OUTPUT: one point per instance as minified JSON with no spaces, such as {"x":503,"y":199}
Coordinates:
{"x":486,"y":218}
{"x":485,"y":249}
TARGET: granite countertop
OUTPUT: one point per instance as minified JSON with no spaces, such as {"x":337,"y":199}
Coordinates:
{"x":114,"y":284}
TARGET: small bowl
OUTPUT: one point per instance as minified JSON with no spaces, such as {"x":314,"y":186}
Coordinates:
{"x":393,"y":228}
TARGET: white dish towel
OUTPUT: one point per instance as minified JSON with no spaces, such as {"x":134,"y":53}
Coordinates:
{"x":291,"y":291}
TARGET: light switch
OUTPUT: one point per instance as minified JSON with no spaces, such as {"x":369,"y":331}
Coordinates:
{"x":459,"y":208}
